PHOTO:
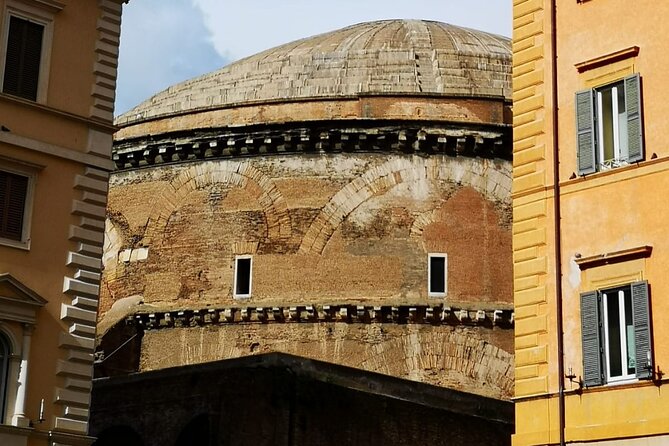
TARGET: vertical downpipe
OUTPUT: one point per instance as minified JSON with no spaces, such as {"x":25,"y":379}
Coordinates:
{"x":556,"y":211}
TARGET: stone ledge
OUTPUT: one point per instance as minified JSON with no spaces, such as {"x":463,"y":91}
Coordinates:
{"x":362,"y":314}
{"x":483,"y":141}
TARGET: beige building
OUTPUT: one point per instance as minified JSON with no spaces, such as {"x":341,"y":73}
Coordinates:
{"x":590,"y":232}
{"x":57,"y":81}
{"x":344,"y":198}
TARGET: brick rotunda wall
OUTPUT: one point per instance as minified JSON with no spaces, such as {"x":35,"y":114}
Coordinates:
{"x":324,"y":230}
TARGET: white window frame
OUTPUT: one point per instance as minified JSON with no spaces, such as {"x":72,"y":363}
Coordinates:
{"x":619,"y":294}
{"x":28,"y":171}
{"x":619,"y":158}
{"x":43,"y":16}
{"x":431,"y":293}
{"x":234,"y":284}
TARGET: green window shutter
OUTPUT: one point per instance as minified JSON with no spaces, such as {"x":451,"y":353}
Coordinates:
{"x":590,"y":339}
{"x":585,"y":132}
{"x":641,"y":312}
{"x":634,"y":123}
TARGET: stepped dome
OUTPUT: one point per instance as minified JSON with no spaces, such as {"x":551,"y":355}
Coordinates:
{"x":387,"y":57}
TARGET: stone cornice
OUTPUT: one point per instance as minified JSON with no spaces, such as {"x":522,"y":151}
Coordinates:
{"x":98,"y":124}
{"x":482,"y":141}
{"x":613,"y":257}
{"x":56,"y":151}
{"x":361,"y":314}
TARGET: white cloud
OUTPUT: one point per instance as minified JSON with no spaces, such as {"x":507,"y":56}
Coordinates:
{"x":162,"y":42}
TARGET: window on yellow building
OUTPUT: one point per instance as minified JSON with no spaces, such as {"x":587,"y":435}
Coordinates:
{"x":615,"y":330}
{"x":23,"y":58}
{"x":15,"y":196}
{"x":609,"y":125}
{"x":25,"y":48}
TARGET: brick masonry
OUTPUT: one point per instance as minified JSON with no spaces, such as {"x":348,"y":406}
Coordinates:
{"x":323,"y":229}
{"x":338,"y":163}
{"x":371,"y":219}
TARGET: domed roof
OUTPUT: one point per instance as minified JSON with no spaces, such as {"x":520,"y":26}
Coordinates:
{"x":391,"y":57}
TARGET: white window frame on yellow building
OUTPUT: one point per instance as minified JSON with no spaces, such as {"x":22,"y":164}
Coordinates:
{"x":601,"y":275}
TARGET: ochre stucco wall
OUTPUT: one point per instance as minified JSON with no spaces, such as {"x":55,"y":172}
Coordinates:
{"x":62,"y":141}
{"x":602,"y":213}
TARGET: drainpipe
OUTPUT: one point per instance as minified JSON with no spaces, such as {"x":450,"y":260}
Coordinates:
{"x":556,"y":212}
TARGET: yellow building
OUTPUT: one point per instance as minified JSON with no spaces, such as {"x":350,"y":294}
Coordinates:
{"x":57,"y":80}
{"x":590,"y":239}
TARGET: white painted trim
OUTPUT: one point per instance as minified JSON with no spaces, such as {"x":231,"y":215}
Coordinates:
{"x":430,"y":293}
{"x":618,"y":294}
{"x":600,"y":129}
{"x":234,"y":284}
{"x":614,"y":122}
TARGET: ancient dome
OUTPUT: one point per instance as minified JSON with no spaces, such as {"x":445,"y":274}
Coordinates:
{"x":387,"y":57}
{"x":357,"y":182}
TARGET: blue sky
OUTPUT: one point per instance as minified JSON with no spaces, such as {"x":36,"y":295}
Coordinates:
{"x":167,"y":41}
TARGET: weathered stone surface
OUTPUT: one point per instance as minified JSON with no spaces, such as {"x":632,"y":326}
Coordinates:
{"x":337,"y":164}
{"x":410,"y":57}
{"x":363,"y":236}
{"x":458,"y":358}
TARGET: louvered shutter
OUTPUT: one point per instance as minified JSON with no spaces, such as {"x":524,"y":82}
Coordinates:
{"x":590,"y":339}
{"x":585,"y":132}
{"x":13,"y":192}
{"x":641,"y":312}
{"x":634,"y":123}
{"x":22,"y":64}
